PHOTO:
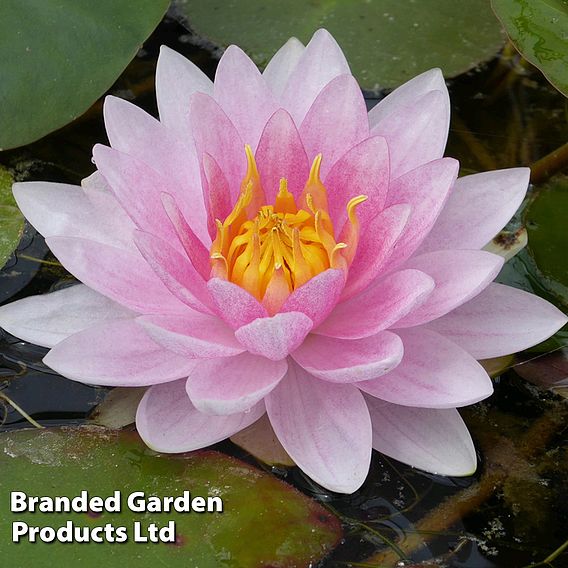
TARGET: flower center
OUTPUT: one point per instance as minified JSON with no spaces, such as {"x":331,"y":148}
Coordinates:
{"x":270,"y":250}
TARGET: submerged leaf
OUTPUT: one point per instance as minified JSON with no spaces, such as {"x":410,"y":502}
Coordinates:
{"x":265,"y":522}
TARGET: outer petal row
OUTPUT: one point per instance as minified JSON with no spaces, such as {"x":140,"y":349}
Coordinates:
{"x":48,"y":319}
{"x":168,"y":422}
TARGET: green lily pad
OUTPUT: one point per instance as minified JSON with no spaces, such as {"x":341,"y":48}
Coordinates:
{"x":539,"y":30}
{"x":545,"y":219}
{"x":386,"y":42}
{"x":264,"y":522}
{"x":59,"y":56}
{"x":11,"y":220}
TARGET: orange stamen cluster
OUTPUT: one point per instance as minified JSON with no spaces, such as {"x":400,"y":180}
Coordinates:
{"x":270,"y":250}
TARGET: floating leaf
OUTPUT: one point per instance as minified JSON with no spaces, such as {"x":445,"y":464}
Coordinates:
{"x":59,"y":56}
{"x":11,"y":220}
{"x":539,"y":30}
{"x":545,"y":219}
{"x":386,"y":42}
{"x":265,"y":522}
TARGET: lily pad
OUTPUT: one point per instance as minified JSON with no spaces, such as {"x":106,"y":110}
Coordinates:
{"x":386,"y":42}
{"x":264,"y":522}
{"x":545,"y":219}
{"x":539,"y":30}
{"x":11,"y":220}
{"x":59,"y":56}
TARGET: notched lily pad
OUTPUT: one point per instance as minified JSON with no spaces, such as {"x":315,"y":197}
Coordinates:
{"x":11,"y":220}
{"x":264,"y":522}
{"x":386,"y":42}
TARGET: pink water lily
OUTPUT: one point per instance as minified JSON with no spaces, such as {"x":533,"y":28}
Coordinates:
{"x":268,"y":246}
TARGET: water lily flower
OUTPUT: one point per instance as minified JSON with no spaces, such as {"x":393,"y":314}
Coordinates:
{"x":269,"y":246}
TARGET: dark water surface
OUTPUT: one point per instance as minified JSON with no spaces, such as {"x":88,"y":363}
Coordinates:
{"x":514,"y":511}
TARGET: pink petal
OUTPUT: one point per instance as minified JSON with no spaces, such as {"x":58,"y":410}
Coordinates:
{"x":192,"y":245}
{"x":275,"y":337}
{"x":416,"y":134}
{"x":376,"y":244}
{"x":177,"y":79}
{"x":336,"y":121}
{"x":281,"y":154}
{"x":133,"y":132}
{"x":324,"y":427}
{"x":168,"y":422}
{"x":349,"y":360}
{"x":435,"y":440}
{"x":459,"y":276}
{"x":317,"y":297}
{"x":138,"y":189}
{"x":234,"y":384}
{"x":408,"y":94}
{"x":379,"y":306}
{"x":479,"y":206}
{"x":50,"y":318}
{"x":197,"y":336}
{"x":216,"y":192}
{"x":175,"y":271}
{"x":243,"y":94}
{"x":118,"y":353}
{"x":122,"y":276}
{"x":321,"y":62}
{"x":215,"y":134}
{"x":501,"y":320}
{"x":61,"y":210}
{"x":109,"y":214}
{"x":425,"y":189}
{"x":282,"y":64}
{"x":234,"y":304}
{"x":434,"y":373}
{"x":363,"y":170}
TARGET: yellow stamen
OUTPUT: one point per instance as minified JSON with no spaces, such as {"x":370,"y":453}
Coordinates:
{"x":350,"y":232}
{"x":285,"y":202}
{"x":314,"y":188}
{"x":270,"y":250}
{"x":252,"y":180}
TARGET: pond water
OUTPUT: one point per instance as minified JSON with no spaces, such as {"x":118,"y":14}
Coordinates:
{"x":514,"y":511}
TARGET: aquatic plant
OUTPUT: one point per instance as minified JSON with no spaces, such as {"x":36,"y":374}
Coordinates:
{"x":269,"y":246}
